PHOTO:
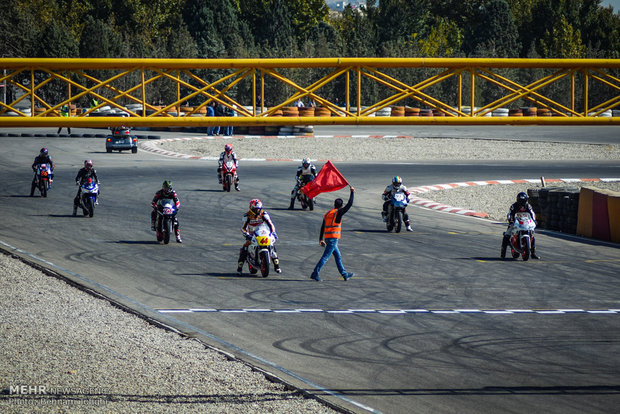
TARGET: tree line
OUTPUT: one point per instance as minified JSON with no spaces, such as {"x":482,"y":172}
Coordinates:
{"x":307,"y":28}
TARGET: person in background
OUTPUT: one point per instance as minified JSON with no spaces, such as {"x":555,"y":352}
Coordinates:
{"x":225,"y":156}
{"x":306,"y":172}
{"x":519,"y":206}
{"x":82,"y":177}
{"x":42,"y":158}
{"x":166,"y":192}
{"x":64,"y":111}
{"x":396,"y":187}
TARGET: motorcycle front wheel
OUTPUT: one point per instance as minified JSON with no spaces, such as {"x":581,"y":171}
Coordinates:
{"x":264,"y":263}
{"x":399,"y":221}
{"x":228,"y":182}
{"x":527,"y":247}
{"x":43,"y":188}
{"x":167,"y":230}
{"x":89,"y":208}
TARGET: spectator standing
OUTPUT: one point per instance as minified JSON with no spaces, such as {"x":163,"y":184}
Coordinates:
{"x":329,"y":236}
{"x":210,"y":112}
{"x":64,"y":111}
{"x":228,"y":130}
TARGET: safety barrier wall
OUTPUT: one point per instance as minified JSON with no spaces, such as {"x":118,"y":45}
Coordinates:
{"x":599,"y":214}
{"x":123,"y":86}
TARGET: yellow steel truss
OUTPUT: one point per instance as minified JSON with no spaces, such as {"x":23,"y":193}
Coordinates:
{"x":115,"y":83}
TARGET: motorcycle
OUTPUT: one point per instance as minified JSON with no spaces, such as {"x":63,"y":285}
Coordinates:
{"x":260,"y":250}
{"x":41,"y":180}
{"x":166,"y":217}
{"x":88,"y":197}
{"x":229,"y":175}
{"x":396,"y":212}
{"x":303,"y":199}
{"x":521,"y":237}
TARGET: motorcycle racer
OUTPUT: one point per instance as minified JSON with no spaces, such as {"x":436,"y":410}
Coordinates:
{"x":520,"y":206}
{"x":42,"y":158}
{"x":225,"y":156}
{"x":254,"y":217}
{"x":396,"y":187}
{"x":306,"y":172}
{"x":166,"y":192}
{"x":82,"y":177}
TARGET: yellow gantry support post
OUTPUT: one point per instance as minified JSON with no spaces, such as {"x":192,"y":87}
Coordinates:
{"x":568,"y":91}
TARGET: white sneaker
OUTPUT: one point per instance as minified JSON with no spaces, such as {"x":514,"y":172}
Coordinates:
{"x":409,"y":228}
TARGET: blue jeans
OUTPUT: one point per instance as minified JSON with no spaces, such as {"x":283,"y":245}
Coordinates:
{"x":331,"y":247}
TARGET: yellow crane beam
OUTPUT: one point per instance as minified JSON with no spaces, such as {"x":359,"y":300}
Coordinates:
{"x":42,"y":92}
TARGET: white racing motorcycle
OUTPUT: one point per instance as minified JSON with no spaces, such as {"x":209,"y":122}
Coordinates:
{"x":261,"y":250}
{"x":520,"y":237}
{"x":88,"y":197}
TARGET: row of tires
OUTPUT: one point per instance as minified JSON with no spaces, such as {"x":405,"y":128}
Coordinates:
{"x":31,"y":135}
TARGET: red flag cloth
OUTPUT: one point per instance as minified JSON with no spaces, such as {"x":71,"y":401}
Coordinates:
{"x":328,"y":179}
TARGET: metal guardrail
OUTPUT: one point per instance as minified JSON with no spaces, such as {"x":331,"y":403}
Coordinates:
{"x":121,"y":87}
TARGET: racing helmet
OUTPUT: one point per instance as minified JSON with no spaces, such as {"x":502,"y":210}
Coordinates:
{"x":397,"y":181}
{"x":88,"y":164}
{"x":43,"y":152}
{"x":167,"y":187}
{"x":256,"y":206}
{"x":522,"y":198}
{"x":228,"y":148}
{"x":305,"y":162}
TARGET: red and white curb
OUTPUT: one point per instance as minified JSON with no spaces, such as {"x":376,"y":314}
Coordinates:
{"x":416,"y":201}
{"x":152,"y":146}
{"x":433,"y":205}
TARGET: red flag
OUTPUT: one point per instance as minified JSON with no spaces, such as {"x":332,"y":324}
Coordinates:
{"x":328,"y":179}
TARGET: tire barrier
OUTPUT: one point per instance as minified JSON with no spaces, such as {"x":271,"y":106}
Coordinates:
{"x":556,"y":208}
{"x":599,"y":214}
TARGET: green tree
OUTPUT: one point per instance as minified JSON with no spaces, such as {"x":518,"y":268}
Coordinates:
{"x":562,"y":41}
{"x":495,"y":27}
{"x":98,"y":40}
{"x":57,"y":41}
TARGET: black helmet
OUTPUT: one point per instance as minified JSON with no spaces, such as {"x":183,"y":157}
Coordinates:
{"x":43,"y":151}
{"x":167,"y":187}
{"x":521,"y":198}
{"x":305,"y":162}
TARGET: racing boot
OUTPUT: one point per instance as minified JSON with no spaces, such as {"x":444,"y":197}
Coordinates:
{"x":292,"y":205}
{"x":276,"y":265}
{"x":534,"y":255}
{"x":219,"y":176}
{"x":384,"y":216}
{"x":408,"y":224}
{"x":505,"y":242}
{"x":177,"y":233}
{"x":237,"y":184}
{"x":74,"y":210}
{"x":243,"y":254}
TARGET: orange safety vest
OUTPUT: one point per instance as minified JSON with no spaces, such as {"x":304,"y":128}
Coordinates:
{"x":332,"y":229}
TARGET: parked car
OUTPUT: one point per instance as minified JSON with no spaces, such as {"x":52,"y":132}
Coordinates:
{"x":121,"y":139}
